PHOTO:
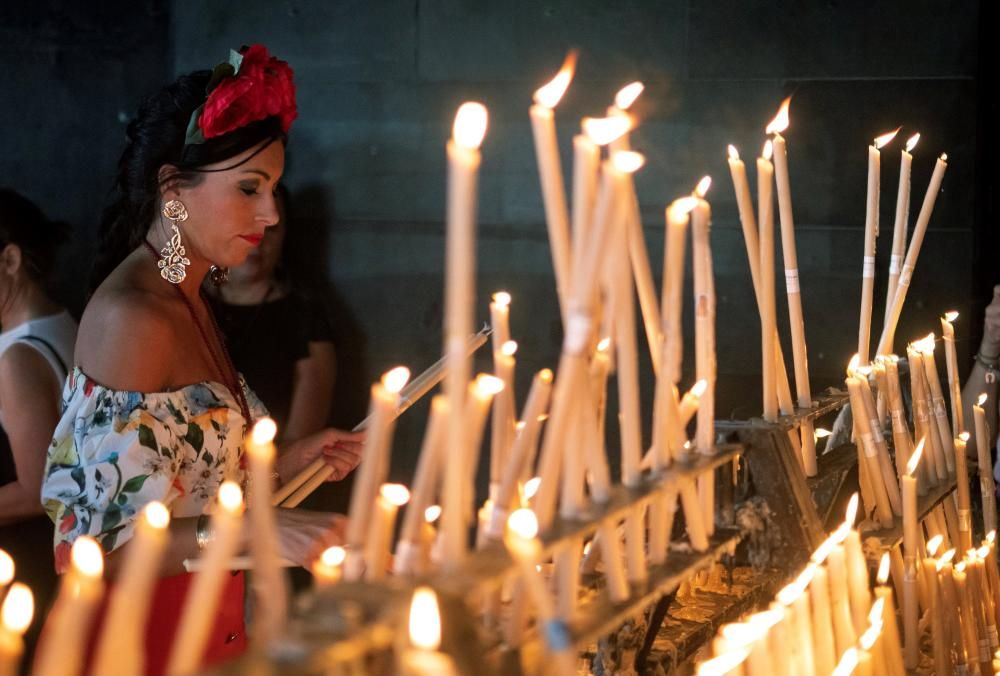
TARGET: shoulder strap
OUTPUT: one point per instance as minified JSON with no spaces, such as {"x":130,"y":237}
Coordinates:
{"x":39,"y":343}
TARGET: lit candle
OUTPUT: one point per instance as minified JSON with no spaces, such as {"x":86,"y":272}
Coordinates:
{"x":951,"y":361}
{"x":985,"y":593}
{"x":801,"y":641}
{"x":869,"y":449}
{"x":923,"y":420}
{"x":63,"y":644}
{"x":991,"y":570}
{"x":899,"y":229}
{"x":870,"y":412}
{"x":883,"y":593}
{"x":423,"y":656}
{"x":390,"y":498}
{"x":270,"y":586}
{"x":906,"y":273}
{"x":911,"y":540}
{"x":771,"y":359}
{"x":871,"y":234}
{"x":902,"y":443}
{"x":962,"y":493}
{"x":987,"y":485}
{"x":936,"y":607}
{"x":374,"y":467}
{"x":727,"y":663}
{"x":121,"y":644}
{"x":940,"y":412}
{"x":543,"y":129}
{"x":836,"y":564}
{"x":847,"y":664}
{"x":199,"y":611}
{"x":460,"y":283}
{"x":327,"y":569}
{"x":15,"y":618}
{"x":824,"y":652}
{"x":502,"y":423}
{"x":857,"y":570}
{"x":952,"y":606}
{"x":788,"y":250}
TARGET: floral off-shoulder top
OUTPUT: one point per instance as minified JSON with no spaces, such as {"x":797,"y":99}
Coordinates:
{"x":114,"y":451}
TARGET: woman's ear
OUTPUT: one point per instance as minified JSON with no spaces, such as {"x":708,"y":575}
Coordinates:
{"x":10,"y":259}
{"x":167,"y":177}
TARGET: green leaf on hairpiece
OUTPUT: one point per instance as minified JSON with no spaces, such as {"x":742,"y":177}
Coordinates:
{"x":219,"y":73}
{"x":194,"y":135}
{"x":235,"y":60}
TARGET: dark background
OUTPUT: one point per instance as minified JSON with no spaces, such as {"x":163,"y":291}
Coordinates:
{"x":378,"y":85}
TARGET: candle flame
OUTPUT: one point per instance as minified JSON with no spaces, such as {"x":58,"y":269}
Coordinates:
{"x":970,"y":555}
{"x":789,"y":593}
{"x":724,"y":663}
{"x":876,"y":613}
{"x":18,"y":609}
{"x":881,"y":141}
{"x":743,"y":633}
{"x":487,"y":385}
{"x":699,"y":388}
{"x":983,"y":551}
{"x":546,"y":375}
{"x":911,"y":465}
{"x":852,"y":365}
{"x":768,"y":150}
{"x":432,"y":513}
{"x":991,"y":536}
{"x":841,"y":533}
{"x":531,"y":486}
{"x":604,"y":130}
{"x":470,"y":125}
{"x":823,"y":551}
{"x":157,"y":515}
{"x":333,"y":556}
{"x":964,"y":436}
{"x":509,"y":348}
{"x":501,"y":299}
{"x":868,"y":638}
{"x":703,"y":185}
{"x":822,"y":433}
{"x":933,"y":544}
{"x":395,"y":380}
{"x":87,"y":557}
{"x":230,"y":497}
{"x":911,"y":143}
{"x":734,"y":154}
{"x":766,"y":619}
{"x":982,"y":399}
{"x":848,"y":663}
{"x":883,"y":569}
{"x":523,"y":523}
{"x":425,"y":620}
{"x":950,"y":316}
{"x":780,"y":121}
{"x":604,"y":344}
{"x":960,"y":567}
{"x":628,"y":161}
{"x":806,"y":576}
{"x":947,"y":557}
{"x":7,"y":568}
{"x":549,"y":94}
{"x":944,"y":157}
{"x":852,"y":510}
{"x":264,"y":431}
{"x":396,"y":495}
{"x":627,"y":95}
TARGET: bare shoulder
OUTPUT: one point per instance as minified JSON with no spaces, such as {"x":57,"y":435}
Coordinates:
{"x":126,"y":338}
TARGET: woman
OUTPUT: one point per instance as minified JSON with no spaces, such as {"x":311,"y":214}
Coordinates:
{"x":36,"y":346}
{"x":154,"y":409}
{"x":292,"y":365}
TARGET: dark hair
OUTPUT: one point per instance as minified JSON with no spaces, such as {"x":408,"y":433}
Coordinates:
{"x":23,"y":223}
{"x":155,"y":137}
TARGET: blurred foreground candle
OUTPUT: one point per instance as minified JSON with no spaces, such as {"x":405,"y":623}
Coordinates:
{"x":883,"y":592}
{"x":795,"y":598}
{"x":423,"y":656}
{"x":857,"y":570}
{"x":121,"y":649}
{"x":911,"y":543}
{"x":460,"y":283}
{"x":202,"y":603}
{"x":326,"y":569}
{"x":15,"y":618}
{"x":899,"y":229}
{"x":502,"y":424}
{"x":390,"y":498}
{"x":64,"y":638}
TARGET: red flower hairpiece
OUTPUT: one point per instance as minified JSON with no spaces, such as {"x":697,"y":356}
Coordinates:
{"x":251,"y":86}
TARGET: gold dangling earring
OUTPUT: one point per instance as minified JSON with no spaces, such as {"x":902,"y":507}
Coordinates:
{"x":173,"y":260}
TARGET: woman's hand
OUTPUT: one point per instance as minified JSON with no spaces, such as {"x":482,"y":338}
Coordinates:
{"x":990,"y":347}
{"x":339,"y":449}
{"x":303,"y":535}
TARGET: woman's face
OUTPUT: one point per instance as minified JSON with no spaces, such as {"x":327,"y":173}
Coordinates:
{"x":262,"y":261}
{"x":229,"y":211}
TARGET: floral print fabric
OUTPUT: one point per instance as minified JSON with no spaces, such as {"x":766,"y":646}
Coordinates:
{"x":115,"y":451}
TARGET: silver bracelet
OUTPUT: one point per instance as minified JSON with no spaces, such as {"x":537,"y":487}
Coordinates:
{"x":203,"y":532}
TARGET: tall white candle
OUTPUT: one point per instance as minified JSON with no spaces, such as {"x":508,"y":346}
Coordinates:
{"x":899,"y":229}
{"x":771,"y":360}
{"x":911,"y":544}
{"x":390,"y":498}
{"x":954,"y":379}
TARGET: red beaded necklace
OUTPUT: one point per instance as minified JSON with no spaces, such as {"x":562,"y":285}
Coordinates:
{"x":224,"y":363}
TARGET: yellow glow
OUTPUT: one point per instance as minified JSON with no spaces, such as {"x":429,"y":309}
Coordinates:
{"x":523,"y":523}
{"x":852,"y":365}
{"x":699,"y":388}
{"x":487,"y":385}
{"x":734,"y":154}
{"x":87,"y":557}
{"x":156,"y":515}
{"x":983,"y":552}
{"x":848,"y":663}
{"x":911,"y":465}
{"x":703,"y":185}
{"x":883,"y":569}
{"x":852,"y":510}
{"x":230,"y":497}
{"x":546,"y":375}
{"x":947,"y":557}
{"x":724,"y":663}
{"x":822,"y":433}
{"x":470,"y":125}
{"x":789,"y":593}
{"x":425,"y":619}
{"x":680,"y":208}
{"x":501,"y":299}
{"x":881,"y":141}
{"x":964,"y":436}
{"x":627,"y":95}
{"x":395,"y":494}
{"x":991,"y":536}
{"x":531,"y":486}
{"x":823,"y":551}
{"x":911,"y":143}
{"x":841,"y":533}
{"x":933,"y":544}
{"x":432,"y":513}
{"x":960,"y":567}
{"x":944,"y":157}
{"x":982,"y":399}
{"x":628,"y":161}
{"x":333,"y":556}
{"x":950,"y":316}
{"x":18,"y":609}
{"x":509,"y":349}
{"x":551,"y":93}
{"x":264,"y":431}
{"x":766,"y":619}
{"x":868,"y":638}
{"x":604,"y":344}
{"x":926,"y":344}
{"x":780,"y":121}
{"x":396,"y":379}
{"x":604,"y":130}
{"x":7,"y":568}
{"x":743,"y":633}
{"x":875,"y":614}
{"x":768,"y":150}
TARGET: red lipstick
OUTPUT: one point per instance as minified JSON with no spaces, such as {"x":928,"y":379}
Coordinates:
{"x":253,"y":239}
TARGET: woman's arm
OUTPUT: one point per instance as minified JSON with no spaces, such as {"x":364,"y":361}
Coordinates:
{"x":29,"y":397}
{"x":312,"y":396}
